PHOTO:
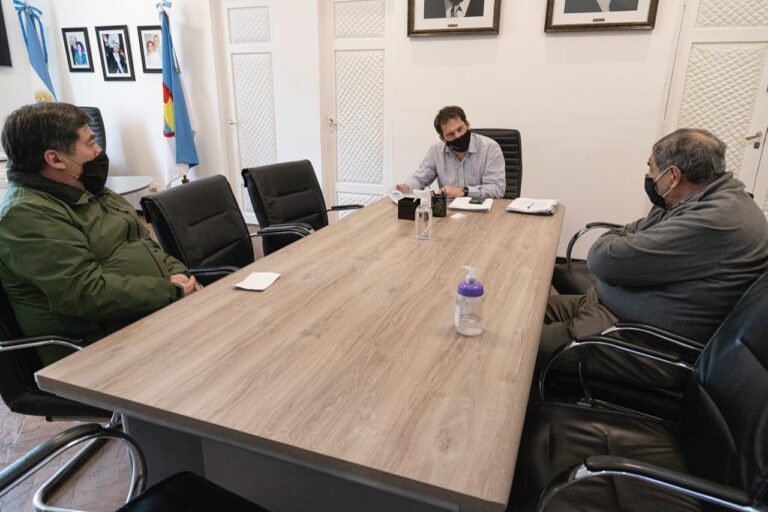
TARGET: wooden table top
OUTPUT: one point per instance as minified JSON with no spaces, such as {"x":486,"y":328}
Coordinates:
{"x":350,"y":360}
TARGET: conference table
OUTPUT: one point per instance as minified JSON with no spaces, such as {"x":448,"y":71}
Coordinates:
{"x":344,"y":385}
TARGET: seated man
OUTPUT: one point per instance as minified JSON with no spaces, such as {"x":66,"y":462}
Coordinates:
{"x":74,"y":258}
{"x":464,"y":163}
{"x":682,"y":267}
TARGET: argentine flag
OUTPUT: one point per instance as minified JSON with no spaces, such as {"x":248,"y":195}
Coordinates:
{"x":34,"y":38}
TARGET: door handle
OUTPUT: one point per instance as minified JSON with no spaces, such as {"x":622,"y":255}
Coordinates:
{"x":332,"y":123}
{"x":755,"y":136}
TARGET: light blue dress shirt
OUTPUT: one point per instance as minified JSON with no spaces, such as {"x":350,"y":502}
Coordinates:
{"x":481,"y":171}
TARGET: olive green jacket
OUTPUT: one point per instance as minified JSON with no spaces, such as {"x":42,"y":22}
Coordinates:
{"x":77,"y":264}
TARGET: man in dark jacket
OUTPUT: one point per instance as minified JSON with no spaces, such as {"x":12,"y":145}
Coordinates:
{"x":681,"y":268}
{"x":74,"y":258}
{"x":453,"y":8}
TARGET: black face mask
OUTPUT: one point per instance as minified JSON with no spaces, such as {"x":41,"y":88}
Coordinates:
{"x":460,"y":144}
{"x":653,"y":194}
{"x":95,"y":173}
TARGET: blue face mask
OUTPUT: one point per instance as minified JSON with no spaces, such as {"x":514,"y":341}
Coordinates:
{"x":653,"y":194}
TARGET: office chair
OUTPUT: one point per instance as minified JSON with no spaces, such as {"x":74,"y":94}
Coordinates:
{"x":571,"y":277}
{"x":97,"y":125}
{"x":511,"y":148}
{"x":576,"y":458}
{"x":19,"y":361}
{"x":287,"y":193}
{"x":200,"y":224}
{"x":183,"y":492}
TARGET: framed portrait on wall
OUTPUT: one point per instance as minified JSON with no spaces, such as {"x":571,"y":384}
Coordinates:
{"x":78,"y":49}
{"x":453,"y":17}
{"x":151,"y":48}
{"x":580,"y":15}
{"x":115,"y":51}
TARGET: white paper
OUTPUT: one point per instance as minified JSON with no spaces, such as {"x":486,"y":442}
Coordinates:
{"x":535,"y":206}
{"x":395,"y":195}
{"x":258,"y":281}
{"x":462,"y":203}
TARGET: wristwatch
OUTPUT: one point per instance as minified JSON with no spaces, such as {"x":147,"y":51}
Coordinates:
{"x":465,"y":190}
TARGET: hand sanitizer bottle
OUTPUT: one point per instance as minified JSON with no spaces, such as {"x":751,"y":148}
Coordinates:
{"x":468,"y":318}
{"x":424,"y":216}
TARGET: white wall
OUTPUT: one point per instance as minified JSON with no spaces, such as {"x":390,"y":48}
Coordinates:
{"x":589,"y":105}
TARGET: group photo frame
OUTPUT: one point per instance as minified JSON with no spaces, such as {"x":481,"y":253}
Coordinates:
{"x":453,"y":17}
{"x":150,"y":40}
{"x":115,"y":51}
{"x":596,"y":15}
{"x":77,"y":46}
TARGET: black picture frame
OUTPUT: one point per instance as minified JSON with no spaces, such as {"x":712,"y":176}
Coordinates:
{"x":429,"y":18}
{"x":150,"y":34}
{"x":5,"y":49}
{"x":587,"y":15}
{"x":115,"y":68}
{"x":79,"y":57}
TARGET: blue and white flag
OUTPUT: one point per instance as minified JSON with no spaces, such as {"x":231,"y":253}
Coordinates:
{"x":34,"y":38}
{"x":177,"y":127}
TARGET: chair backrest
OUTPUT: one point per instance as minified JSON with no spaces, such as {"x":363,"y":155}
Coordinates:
{"x":724,"y":426}
{"x":97,"y":125}
{"x":284,"y":193}
{"x":200,"y":224}
{"x":511,"y":148}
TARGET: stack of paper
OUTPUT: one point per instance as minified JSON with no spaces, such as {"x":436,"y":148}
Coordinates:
{"x":533,"y":206}
{"x":462,"y":203}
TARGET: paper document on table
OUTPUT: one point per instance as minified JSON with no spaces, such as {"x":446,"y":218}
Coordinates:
{"x":258,"y":281}
{"x":395,"y":195}
{"x":463,"y":203}
{"x":533,"y":206}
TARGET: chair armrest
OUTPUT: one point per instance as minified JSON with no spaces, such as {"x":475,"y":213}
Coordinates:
{"x":615,"y":344}
{"x":299,"y":229}
{"x":340,"y":207}
{"x":675,"y":481}
{"x":582,"y":231}
{"x":209,"y":275}
{"x":658,"y":334}
{"x":18,"y":471}
{"x":40,"y":341}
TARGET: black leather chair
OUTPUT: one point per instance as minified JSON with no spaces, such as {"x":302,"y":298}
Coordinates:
{"x":183,"y":492}
{"x":287,"y":193}
{"x":575,"y":458}
{"x":97,"y":125}
{"x":511,"y":147}
{"x":200,"y":224}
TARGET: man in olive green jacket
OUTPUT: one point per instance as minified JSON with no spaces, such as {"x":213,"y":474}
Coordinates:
{"x":74,"y":257}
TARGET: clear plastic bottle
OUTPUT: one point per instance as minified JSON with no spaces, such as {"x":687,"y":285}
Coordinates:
{"x":468,"y":318}
{"x":424,"y":216}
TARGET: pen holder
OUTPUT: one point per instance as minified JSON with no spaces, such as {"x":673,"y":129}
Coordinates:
{"x":406,"y":208}
{"x":438,"y":205}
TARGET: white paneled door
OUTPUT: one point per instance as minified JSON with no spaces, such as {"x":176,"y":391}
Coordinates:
{"x":355,"y":132}
{"x":720,"y":82}
{"x":247,"y":49}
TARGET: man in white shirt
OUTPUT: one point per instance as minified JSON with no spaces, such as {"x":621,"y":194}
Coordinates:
{"x":464,"y":163}
{"x":452,"y":8}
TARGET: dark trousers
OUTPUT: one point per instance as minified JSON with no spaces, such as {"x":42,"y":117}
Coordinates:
{"x":570,"y":316}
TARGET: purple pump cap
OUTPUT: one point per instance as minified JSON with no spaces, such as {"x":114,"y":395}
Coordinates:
{"x":471,"y":288}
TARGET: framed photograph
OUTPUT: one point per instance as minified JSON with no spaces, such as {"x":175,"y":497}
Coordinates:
{"x":453,"y":17}
{"x":579,"y":15}
{"x":151,"y":48}
{"x":78,"y":49}
{"x":115,"y":51}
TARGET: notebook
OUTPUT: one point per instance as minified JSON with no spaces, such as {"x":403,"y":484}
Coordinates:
{"x":533,"y":206}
